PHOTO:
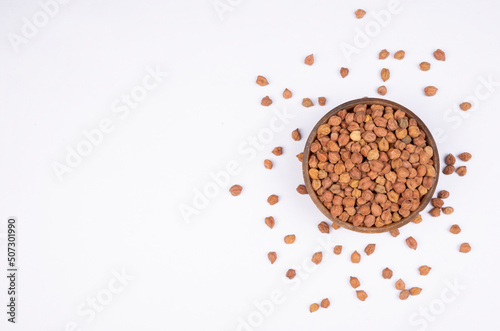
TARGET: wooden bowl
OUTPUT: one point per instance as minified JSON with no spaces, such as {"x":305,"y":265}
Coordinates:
{"x":349,"y":105}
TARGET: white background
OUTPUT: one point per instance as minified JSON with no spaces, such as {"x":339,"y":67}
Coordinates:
{"x":119,"y":208}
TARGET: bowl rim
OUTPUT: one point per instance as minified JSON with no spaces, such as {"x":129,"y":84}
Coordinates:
{"x":348,"y":105}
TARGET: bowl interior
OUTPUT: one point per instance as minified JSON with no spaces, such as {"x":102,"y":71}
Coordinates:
{"x":349,"y":105}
